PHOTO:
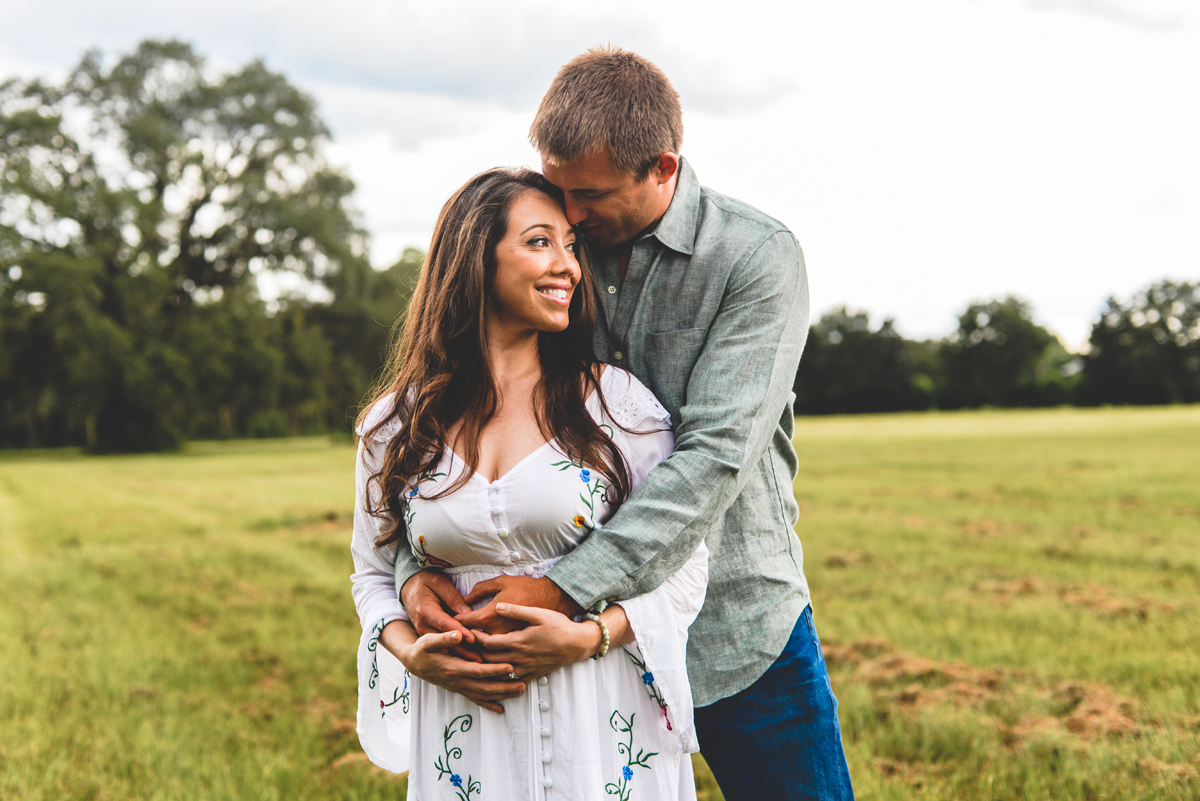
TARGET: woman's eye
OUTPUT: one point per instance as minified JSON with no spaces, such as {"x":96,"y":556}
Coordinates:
{"x":540,"y":241}
{"x":571,"y":247}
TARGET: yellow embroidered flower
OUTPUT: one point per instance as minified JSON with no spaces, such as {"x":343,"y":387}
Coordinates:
{"x":580,"y":521}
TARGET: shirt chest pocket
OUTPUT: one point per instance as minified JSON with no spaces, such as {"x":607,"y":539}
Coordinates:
{"x":670,"y":358}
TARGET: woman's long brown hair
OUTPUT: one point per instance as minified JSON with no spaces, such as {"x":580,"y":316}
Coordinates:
{"x":438,"y":372}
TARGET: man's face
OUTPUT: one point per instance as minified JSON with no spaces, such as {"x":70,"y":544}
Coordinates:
{"x":609,"y":206}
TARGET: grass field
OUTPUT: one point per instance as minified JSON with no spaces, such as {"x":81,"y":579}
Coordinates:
{"x":1008,"y":602}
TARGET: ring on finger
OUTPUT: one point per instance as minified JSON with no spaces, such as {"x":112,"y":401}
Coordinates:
{"x":513,"y":676}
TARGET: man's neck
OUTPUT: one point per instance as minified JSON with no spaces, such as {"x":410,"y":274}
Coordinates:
{"x":625,"y":252}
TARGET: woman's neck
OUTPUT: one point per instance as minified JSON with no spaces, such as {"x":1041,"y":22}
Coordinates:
{"x":515,"y":364}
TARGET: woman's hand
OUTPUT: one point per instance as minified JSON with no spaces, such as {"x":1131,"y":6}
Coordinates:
{"x":428,"y":658}
{"x":548,"y":641}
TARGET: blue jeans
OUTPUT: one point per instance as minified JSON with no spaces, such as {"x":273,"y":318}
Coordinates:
{"x":779,"y":738}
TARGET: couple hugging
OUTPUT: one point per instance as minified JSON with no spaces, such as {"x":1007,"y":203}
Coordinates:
{"x":575,"y":563}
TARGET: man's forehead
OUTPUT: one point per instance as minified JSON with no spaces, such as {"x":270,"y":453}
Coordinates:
{"x":592,"y":173}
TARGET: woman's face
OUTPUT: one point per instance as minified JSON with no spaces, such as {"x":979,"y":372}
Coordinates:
{"x":536,"y":269}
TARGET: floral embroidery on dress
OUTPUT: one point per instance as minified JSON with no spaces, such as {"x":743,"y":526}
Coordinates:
{"x":424,"y":558}
{"x":622,"y":726}
{"x":595,"y":491}
{"x":651,"y":687}
{"x":445,"y":763}
{"x":398,"y":697}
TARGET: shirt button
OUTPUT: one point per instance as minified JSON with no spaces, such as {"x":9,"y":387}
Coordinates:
{"x":547,"y":782}
{"x":546,"y":732}
{"x":503,"y":533}
{"x":546,"y":758}
{"x":496,"y":510}
{"x":544,"y":706}
{"x":618,"y":355}
{"x":543,"y":681}
{"x":612,"y":290}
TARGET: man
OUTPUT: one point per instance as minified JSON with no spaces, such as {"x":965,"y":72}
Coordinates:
{"x":705,"y":299}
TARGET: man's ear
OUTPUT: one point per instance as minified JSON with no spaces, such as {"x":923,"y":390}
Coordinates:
{"x":666,"y":167}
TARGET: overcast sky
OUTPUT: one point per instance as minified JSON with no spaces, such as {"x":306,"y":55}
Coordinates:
{"x":926,"y":153}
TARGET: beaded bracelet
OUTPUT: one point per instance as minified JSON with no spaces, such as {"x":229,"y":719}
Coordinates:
{"x":593,"y":614}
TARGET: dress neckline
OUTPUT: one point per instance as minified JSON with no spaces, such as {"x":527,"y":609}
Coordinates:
{"x":475,"y":474}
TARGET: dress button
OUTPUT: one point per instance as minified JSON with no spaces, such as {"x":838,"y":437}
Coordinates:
{"x":496,"y":510}
{"x":544,"y":706}
{"x":546,"y":758}
{"x":618,"y":355}
{"x":612,"y":290}
{"x":547,"y":782}
{"x":546,"y":732}
{"x":502,"y":533}
{"x":543,"y":681}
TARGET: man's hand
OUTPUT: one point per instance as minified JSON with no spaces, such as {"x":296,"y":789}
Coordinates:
{"x":429,"y":659}
{"x":430,"y":598}
{"x":548,"y":641}
{"x":519,"y":591}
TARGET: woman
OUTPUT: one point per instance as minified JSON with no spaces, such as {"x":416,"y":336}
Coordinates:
{"x":495,"y":446}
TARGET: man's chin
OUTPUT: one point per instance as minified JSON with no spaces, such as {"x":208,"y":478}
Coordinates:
{"x":602,"y":238}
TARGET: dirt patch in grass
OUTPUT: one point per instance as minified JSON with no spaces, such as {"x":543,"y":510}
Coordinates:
{"x":848,"y":559}
{"x":909,"y":683}
{"x":1093,"y":597}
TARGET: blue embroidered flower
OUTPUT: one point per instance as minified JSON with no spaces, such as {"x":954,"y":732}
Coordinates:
{"x":627,"y":772}
{"x":456,"y":780}
{"x":585,"y":475}
{"x":412,"y":493}
{"x":647,"y":678}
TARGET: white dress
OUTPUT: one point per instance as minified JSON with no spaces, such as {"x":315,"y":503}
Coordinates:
{"x":618,"y":727}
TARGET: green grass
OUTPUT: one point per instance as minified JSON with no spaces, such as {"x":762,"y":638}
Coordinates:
{"x":1008,"y":600}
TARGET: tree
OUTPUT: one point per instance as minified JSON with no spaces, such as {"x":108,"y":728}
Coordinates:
{"x":1000,"y":357}
{"x":138,"y":205}
{"x":847,"y":367}
{"x":1146,"y":350}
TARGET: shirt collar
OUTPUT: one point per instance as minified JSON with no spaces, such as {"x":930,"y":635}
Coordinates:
{"x":677,"y":228}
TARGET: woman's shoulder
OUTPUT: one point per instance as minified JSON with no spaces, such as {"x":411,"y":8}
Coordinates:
{"x":630,"y":403}
{"x":379,"y":411}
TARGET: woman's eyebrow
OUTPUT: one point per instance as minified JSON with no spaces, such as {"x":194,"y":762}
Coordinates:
{"x":547,"y":226}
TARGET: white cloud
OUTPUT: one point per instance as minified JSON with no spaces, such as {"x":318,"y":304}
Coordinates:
{"x":1143,"y":15}
{"x":927,"y":154}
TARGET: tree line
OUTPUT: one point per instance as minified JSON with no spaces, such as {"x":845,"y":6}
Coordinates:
{"x":143,"y":203}
{"x":1143,"y":350}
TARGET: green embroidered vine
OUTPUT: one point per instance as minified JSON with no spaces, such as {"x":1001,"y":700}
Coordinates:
{"x":651,"y":686}
{"x":593,"y":488}
{"x":622,"y":726}
{"x":444,"y":763}
{"x":424,"y":559}
{"x":372,"y":644}
{"x":398,"y":697}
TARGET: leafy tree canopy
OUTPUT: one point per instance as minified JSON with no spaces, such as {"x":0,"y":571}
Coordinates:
{"x":139,"y":201}
{"x":1146,"y":349}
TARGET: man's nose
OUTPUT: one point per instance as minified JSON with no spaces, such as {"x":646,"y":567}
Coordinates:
{"x":576,"y":213}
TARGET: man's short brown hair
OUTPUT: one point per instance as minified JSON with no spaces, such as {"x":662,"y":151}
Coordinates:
{"x":609,"y":98}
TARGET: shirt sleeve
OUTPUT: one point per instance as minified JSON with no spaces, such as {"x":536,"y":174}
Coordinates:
{"x":659,"y":618}
{"x":736,"y":394}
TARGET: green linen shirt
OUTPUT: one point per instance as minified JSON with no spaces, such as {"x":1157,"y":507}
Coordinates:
{"x":712,"y":317}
